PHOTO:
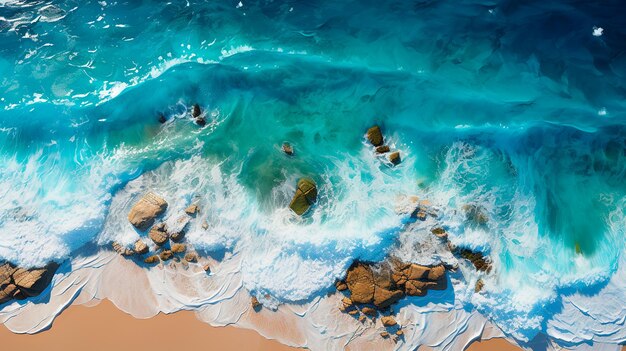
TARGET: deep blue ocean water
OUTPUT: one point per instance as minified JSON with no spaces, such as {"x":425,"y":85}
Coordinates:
{"x":517,"y":107}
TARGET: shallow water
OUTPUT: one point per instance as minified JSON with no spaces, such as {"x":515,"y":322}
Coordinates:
{"x":515,"y":108}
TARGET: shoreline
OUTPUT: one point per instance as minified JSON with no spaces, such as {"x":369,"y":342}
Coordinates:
{"x":102,"y":326}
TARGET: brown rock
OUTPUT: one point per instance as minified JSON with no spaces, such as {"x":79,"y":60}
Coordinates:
{"x":192,"y":209}
{"x":341,"y":286}
{"x":479,"y":285}
{"x":255,"y":303}
{"x":362,"y":319}
{"x":191,"y":257}
{"x":384,"y":334}
{"x":146,"y":210}
{"x":117,"y":247}
{"x":178,"y":248}
{"x":360,"y":281}
{"x":399,"y":332}
{"x":177,"y":236}
{"x":158,"y":234}
{"x":353,"y":312}
{"x":388,"y":321}
{"x":152,"y":259}
{"x":394,"y":157}
{"x":382,"y":149}
{"x":32,"y":282}
{"x":384,"y":298}
{"x":166,"y":255}
{"x":305,"y":196}
{"x":375,"y":136}
{"x":288,"y":149}
{"x":205,"y":225}
{"x":141,"y":247}
{"x":439,"y":232}
{"x":206,"y":268}
{"x":346,"y":302}
{"x":368,"y":311}
{"x":478,"y":260}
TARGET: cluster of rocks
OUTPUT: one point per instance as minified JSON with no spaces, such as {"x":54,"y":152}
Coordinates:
{"x":372,"y":288}
{"x":375,"y":137}
{"x":142,"y":216}
{"x":305,"y":196}
{"x":19,"y":283}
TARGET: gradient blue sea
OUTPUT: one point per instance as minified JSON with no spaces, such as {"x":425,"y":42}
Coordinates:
{"x":518,"y":107}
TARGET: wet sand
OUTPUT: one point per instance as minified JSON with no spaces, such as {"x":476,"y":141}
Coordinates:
{"x":104,"y":327}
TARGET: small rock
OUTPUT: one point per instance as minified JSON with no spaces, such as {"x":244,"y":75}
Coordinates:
{"x":196,"y":111}
{"x":121,"y":249}
{"x":178,"y":248}
{"x":162,"y":118}
{"x":205,"y":225}
{"x":143,"y":214}
{"x":305,"y":196}
{"x":191,"y":257}
{"x":152,"y":259}
{"x":421,"y":215}
{"x":158,"y":234}
{"x":388,"y":321}
{"x":192,"y":209}
{"x":206,"y":268}
{"x":375,"y":136}
{"x":288,"y":149}
{"x":353,"y":312}
{"x":362,"y":319}
{"x":382,"y":149}
{"x":177,"y":236}
{"x":384,"y":334}
{"x":201,"y":121}
{"x":141,"y":247}
{"x":256,"y":305}
{"x":399,"y":332}
{"x":394,"y":157}
{"x":368,"y":311}
{"x":346,"y":302}
{"x":479,"y":285}
{"x":341,"y":286}
{"x":166,"y":255}
{"x":439,"y":232}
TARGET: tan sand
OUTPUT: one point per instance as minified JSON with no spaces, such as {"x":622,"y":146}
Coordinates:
{"x":103,"y":328}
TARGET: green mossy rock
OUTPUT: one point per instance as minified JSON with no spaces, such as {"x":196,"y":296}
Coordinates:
{"x":305,"y":196}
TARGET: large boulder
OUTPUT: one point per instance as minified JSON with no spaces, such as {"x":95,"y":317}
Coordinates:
{"x":146,"y":210}
{"x":360,"y":281}
{"x":20,"y":283}
{"x":375,"y":136}
{"x":305,"y":196}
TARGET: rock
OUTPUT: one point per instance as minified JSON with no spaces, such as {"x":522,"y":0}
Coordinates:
{"x":191,"y":257}
{"x":201,"y":121}
{"x":384,"y":298}
{"x":166,"y":255}
{"x":388,"y":321}
{"x":196,"y":111}
{"x":421,"y":215}
{"x":475,"y":214}
{"x":346,"y":302}
{"x":479,"y":285}
{"x":256,"y":305}
{"x":384,"y":334}
{"x":146,"y":210}
{"x":353,"y":312}
{"x":416,"y":279}
{"x":439,"y":232}
{"x":305,"y":196}
{"x":141,"y":247}
{"x":205,"y":225}
{"x":117,"y":247}
{"x":192,"y":210}
{"x":158,"y":234}
{"x":478,"y":260}
{"x":368,"y":311}
{"x":362,"y":319}
{"x":360,"y":281}
{"x":178,"y":248}
{"x":394,"y":157}
{"x":20,"y":283}
{"x":341,"y":286}
{"x":399,"y":332}
{"x":382,"y":149}
{"x":206,"y":268}
{"x":162,"y":118}
{"x":375,"y":136}
{"x":288,"y":149}
{"x":152,"y":259}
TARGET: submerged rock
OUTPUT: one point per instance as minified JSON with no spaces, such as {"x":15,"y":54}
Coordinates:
{"x":475,"y":214}
{"x":305,"y":196}
{"x":375,"y":136}
{"x":19,"y":283}
{"x":288,"y":149}
{"x":162,"y":118}
{"x":158,"y":234}
{"x":143,"y":214}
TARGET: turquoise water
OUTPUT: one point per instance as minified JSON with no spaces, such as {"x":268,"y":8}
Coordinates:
{"x":518,"y":108}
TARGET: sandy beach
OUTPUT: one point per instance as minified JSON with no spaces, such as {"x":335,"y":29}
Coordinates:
{"x":104,"y":327}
